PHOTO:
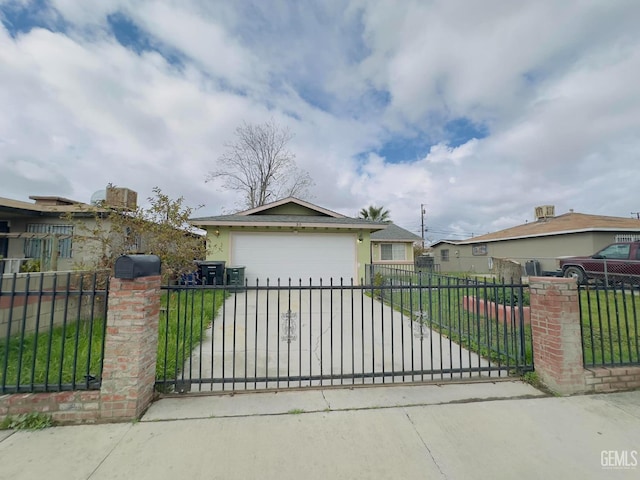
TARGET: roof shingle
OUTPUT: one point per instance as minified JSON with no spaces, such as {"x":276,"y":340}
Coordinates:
{"x":394,"y":232}
{"x":567,"y":223}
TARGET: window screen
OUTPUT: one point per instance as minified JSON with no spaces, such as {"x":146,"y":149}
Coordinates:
{"x":392,"y":251}
{"x":33,"y":246}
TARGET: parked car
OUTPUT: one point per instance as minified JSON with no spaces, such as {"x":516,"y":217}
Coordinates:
{"x":618,"y":262}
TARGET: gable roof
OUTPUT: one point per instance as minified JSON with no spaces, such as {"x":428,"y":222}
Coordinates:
{"x":394,"y":233}
{"x":563,"y":224}
{"x":264,"y":209}
{"x":307,"y":215}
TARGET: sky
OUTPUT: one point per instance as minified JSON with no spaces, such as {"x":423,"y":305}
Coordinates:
{"x":480,"y":111}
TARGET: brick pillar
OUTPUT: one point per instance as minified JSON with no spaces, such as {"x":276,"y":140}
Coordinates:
{"x":128,"y":375}
{"x":555,"y":328}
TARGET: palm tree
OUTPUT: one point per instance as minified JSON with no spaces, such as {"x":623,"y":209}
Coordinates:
{"x":375,"y":214}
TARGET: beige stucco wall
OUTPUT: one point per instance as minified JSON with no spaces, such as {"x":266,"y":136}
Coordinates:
{"x":544,"y":249}
{"x":376,"y":253}
{"x":16,"y":245}
{"x":40,"y":309}
{"x":219,"y":242}
{"x":83,"y":252}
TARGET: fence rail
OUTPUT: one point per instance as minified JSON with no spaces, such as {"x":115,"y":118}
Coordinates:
{"x":609,"y":324}
{"x":257,"y":337}
{"x":377,"y":273}
{"x":52,"y":329}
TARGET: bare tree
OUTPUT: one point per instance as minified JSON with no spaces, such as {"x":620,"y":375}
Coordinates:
{"x":259,"y":165}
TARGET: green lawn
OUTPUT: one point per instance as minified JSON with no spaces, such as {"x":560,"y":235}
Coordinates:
{"x":185,"y":316}
{"x":610,"y":318}
{"x":438,"y":302}
{"x":50,"y":356}
{"x":60,"y":356}
{"x":610,"y":333}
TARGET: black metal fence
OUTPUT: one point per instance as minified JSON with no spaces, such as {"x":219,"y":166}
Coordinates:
{"x":394,"y":330}
{"x":52,"y":329}
{"x":609,"y":324}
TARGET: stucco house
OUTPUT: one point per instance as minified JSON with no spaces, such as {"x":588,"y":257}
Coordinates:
{"x":38,"y":231}
{"x":291,"y":239}
{"x":393,"y":246}
{"x":540,"y":242}
{"x":44,"y":230}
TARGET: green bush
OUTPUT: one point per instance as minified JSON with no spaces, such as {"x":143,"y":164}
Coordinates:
{"x":508,"y":296}
{"x":30,"y":266}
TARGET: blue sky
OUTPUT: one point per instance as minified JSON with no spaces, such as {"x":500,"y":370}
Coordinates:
{"x":480,"y":110}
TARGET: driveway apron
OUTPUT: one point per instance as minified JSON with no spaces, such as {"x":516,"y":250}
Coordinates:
{"x":294,"y":338}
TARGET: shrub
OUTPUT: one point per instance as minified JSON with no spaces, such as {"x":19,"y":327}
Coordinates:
{"x":508,"y":296}
{"x":27,"y":421}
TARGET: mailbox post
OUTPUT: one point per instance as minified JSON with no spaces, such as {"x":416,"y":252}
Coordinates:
{"x":136,"y":266}
{"x":131,"y":343}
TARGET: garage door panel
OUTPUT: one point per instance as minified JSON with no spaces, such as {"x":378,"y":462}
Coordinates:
{"x":295,"y":256}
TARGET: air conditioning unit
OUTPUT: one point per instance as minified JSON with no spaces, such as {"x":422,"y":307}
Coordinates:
{"x":121,"y":198}
{"x":545,"y":211}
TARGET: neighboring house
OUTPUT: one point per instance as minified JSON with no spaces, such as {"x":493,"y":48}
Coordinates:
{"x":291,"y":239}
{"x":37,"y":231}
{"x":393,"y":246}
{"x":45,"y":229}
{"x":543,"y":241}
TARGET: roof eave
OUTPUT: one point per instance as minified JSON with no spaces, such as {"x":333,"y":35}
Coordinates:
{"x":250,"y":224}
{"x":398,"y":240}
{"x":550,"y":234}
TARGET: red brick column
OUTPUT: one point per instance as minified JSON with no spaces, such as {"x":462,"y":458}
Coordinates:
{"x":128,"y":375}
{"x":555,"y":328}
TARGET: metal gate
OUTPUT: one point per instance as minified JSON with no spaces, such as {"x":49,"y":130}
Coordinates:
{"x":222,"y":338}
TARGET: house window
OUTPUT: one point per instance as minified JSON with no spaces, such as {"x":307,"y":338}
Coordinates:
{"x":33,"y":246}
{"x":479,"y":250}
{"x":133,"y":241}
{"x":444,"y":255}
{"x":393,"y":251}
{"x":628,"y":237}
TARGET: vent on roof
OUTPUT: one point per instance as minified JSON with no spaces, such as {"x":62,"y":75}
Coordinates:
{"x":545,"y":211}
{"x":121,"y":198}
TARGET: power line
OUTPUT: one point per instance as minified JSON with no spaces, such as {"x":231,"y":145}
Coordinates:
{"x":438,"y":229}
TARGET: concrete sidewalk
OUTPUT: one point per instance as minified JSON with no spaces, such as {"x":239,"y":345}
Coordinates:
{"x":407,"y":432}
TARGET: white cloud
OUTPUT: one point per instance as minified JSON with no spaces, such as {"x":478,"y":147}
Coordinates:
{"x":554,"y":84}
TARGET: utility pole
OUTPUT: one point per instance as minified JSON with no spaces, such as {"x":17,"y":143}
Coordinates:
{"x":422,"y":213}
{"x":637,"y":214}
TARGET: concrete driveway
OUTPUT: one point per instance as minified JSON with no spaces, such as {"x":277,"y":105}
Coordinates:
{"x":278,"y":339}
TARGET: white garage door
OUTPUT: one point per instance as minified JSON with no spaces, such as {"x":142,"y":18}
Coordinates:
{"x":295,"y":256}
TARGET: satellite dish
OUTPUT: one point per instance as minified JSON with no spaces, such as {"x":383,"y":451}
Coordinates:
{"x":98,"y":197}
